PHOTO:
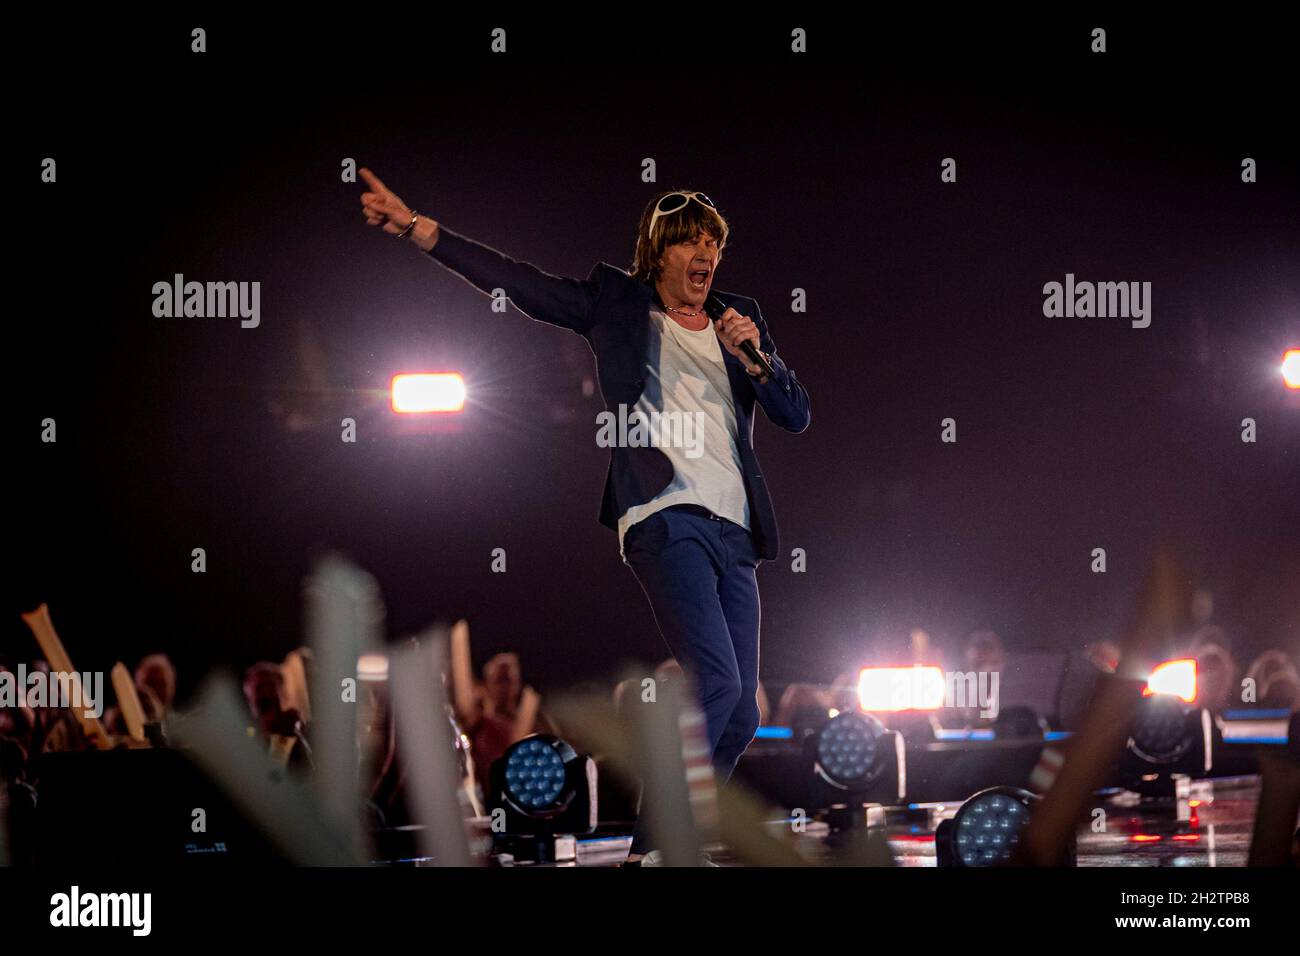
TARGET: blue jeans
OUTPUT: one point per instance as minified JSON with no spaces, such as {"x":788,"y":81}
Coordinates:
{"x":699,"y":574}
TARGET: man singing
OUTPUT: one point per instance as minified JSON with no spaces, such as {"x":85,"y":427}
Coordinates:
{"x":694,"y":522}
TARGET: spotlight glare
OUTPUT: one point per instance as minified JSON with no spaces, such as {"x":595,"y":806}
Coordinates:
{"x":424,"y":392}
{"x":900,"y":688}
{"x":1291,"y":368}
{"x":1177,"y":678}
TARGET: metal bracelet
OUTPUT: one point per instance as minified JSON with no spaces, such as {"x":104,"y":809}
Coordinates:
{"x":411,"y":225}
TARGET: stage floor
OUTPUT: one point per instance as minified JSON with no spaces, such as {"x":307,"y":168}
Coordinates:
{"x":1214,"y":830}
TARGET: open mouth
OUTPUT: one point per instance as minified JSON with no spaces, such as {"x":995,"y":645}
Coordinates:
{"x":699,"y":278}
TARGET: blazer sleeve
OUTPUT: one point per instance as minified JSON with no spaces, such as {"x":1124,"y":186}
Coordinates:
{"x":556,"y":300}
{"x":783,"y":397}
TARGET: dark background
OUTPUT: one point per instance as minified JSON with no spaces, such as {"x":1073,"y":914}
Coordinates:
{"x":925,"y":301}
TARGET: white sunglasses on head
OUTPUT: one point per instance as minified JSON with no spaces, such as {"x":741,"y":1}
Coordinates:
{"x":676,"y":202}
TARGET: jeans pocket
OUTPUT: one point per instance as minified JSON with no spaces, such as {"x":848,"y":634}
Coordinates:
{"x":647,"y":536}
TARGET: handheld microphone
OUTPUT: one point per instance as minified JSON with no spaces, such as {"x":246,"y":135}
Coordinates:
{"x":714,"y":307}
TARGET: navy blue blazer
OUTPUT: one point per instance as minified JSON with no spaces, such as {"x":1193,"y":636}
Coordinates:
{"x":611,"y":310}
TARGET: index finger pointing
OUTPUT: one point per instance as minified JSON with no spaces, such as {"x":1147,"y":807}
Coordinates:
{"x":372,"y":180}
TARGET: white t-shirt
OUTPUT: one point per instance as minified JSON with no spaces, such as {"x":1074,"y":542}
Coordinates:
{"x":688,"y":394}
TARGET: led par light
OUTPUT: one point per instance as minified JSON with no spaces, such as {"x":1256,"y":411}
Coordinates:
{"x":1163,"y":732}
{"x":853,"y":761}
{"x":986,"y":829}
{"x":545,"y":788}
{"x":1170,"y":734}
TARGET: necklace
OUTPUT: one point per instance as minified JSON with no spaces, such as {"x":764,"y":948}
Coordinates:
{"x":692,"y":315}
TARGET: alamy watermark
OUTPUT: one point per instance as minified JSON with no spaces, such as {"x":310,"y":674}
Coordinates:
{"x":1102,"y":300}
{"x":928,"y":688}
{"x":75,"y":908}
{"x":972,"y":689}
{"x":53,"y":689}
{"x":638,"y":429}
{"x":208,"y":300}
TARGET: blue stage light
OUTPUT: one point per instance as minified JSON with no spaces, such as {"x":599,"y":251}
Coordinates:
{"x":847,"y":749}
{"x":541,"y":792}
{"x":987,"y":827}
{"x":535,"y":773}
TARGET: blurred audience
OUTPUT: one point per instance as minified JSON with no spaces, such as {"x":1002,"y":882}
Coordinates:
{"x":274,"y":719}
{"x":504,"y":709}
{"x":18,"y":828}
{"x":500,"y":715}
{"x":1276,"y":680}
{"x":983,"y":654}
{"x":1079,"y":680}
{"x":157,"y":675}
{"x":804,"y":707}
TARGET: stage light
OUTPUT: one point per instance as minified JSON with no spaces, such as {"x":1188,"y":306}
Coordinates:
{"x":1176,"y":678}
{"x":535,"y":775}
{"x":1170,"y":737}
{"x":889,"y":689}
{"x":852,"y":761}
{"x":1163,"y":731}
{"x":847,"y":750}
{"x":545,"y":789}
{"x":1291,"y":368}
{"x":426,"y":392}
{"x":985,"y":830}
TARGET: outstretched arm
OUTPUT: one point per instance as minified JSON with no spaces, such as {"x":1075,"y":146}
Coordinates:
{"x":557,"y":300}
